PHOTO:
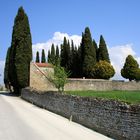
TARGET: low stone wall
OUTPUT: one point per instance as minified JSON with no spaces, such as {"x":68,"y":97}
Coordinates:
{"x":115,"y":119}
{"x":100,"y":85}
{"x":39,"y":81}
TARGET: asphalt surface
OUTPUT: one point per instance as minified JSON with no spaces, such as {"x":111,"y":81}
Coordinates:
{"x":20,"y":120}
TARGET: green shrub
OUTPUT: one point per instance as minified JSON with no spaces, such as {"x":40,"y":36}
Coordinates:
{"x":59,"y":78}
{"x":137,"y":74}
{"x":103,"y":70}
{"x":130,"y":68}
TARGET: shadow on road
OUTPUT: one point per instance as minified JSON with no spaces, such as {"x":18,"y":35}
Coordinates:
{"x":6,"y":93}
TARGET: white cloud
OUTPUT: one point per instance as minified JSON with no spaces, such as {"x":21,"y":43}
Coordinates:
{"x":57,"y":39}
{"x":2,"y":64}
{"x":118,"y":55}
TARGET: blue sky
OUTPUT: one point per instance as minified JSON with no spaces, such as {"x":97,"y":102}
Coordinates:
{"x":117,"y":20}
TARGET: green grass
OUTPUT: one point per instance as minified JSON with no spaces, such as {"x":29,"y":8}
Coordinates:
{"x":132,"y":97}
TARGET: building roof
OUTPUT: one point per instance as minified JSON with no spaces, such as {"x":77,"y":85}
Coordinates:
{"x":48,"y":65}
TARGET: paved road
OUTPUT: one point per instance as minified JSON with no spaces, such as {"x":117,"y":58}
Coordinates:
{"x":20,"y":120}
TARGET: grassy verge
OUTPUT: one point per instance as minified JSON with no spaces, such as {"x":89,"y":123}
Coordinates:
{"x":132,"y":97}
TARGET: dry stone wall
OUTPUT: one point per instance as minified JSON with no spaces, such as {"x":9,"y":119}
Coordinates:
{"x":112,"y":118}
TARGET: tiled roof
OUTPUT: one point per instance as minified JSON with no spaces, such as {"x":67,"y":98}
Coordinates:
{"x":48,"y":65}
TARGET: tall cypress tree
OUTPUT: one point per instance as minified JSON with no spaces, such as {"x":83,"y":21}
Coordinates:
{"x":6,"y":70}
{"x":102,"y":51}
{"x":57,"y":57}
{"x":68,"y":56}
{"x":63,"y":53}
{"x":96,"y":49}
{"x":89,"y":53}
{"x":72,"y":57}
{"x":43,"y":57}
{"x":20,"y":52}
{"x":52,"y":55}
{"x":49,"y":57}
{"x":37,"y":57}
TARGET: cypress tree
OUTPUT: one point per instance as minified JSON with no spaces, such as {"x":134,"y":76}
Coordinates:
{"x":37,"y":57}
{"x":79,"y":62}
{"x":57,"y":58}
{"x":89,"y":53}
{"x":72,"y":57}
{"x":43,"y":57}
{"x":49,"y":57}
{"x":63,"y":53}
{"x":52,"y":56}
{"x":102,"y":51}
{"x":68,"y":56}
{"x":20,"y":52}
{"x":6,"y":70}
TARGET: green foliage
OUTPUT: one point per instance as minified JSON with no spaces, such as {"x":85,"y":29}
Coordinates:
{"x":125,"y":96}
{"x":37,"y":57}
{"x":65,"y":54}
{"x":59,"y":78}
{"x":96,"y":49}
{"x":43,"y":57}
{"x":130,"y":68}
{"x":74,"y":61}
{"x":52,"y":55}
{"x":137,"y":75}
{"x":20,"y":52}
{"x":102,"y":51}
{"x":103,"y":70}
{"x":80,"y":60}
{"x":89,"y":53}
{"x":6,"y":70}
{"x":49,"y":57}
{"x":57,"y":57}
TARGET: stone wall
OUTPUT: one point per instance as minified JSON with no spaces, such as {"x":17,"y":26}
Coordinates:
{"x":38,"y":78}
{"x":112,"y":118}
{"x":39,"y":81}
{"x":100,"y":85}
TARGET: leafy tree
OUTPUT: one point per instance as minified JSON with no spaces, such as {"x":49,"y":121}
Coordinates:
{"x":43,"y":57}
{"x":89,"y":53}
{"x":102,"y":51}
{"x":20,"y":52}
{"x":59,"y":78}
{"x":6,"y":71}
{"x":37,"y":57}
{"x":130,"y":67}
{"x":103,"y":70}
{"x":137,"y":74}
